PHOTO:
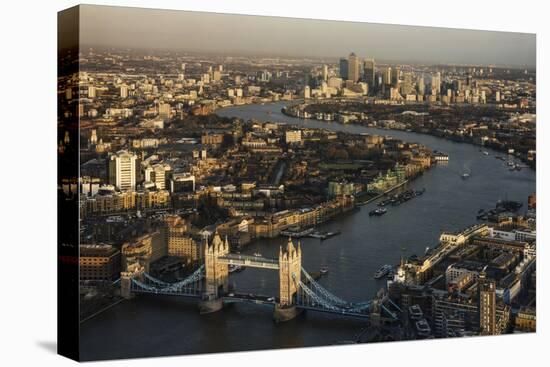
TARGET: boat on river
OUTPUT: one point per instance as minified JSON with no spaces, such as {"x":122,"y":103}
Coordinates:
{"x":383,"y":271}
{"x":378,"y":212}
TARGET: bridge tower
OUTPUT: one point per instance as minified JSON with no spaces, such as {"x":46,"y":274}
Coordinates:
{"x":290,"y":270}
{"x":133,"y":271}
{"x":217,"y":273}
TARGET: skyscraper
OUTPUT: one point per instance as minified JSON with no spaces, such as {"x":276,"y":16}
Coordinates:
{"x":395,"y":76}
{"x":344,"y":68}
{"x":122,"y":170}
{"x":325,"y":73}
{"x":487,"y":305}
{"x":420,"y":85}
{"x":436,"y":83}
{"x":386,"y":76}
{"x":370,"y":73}
{"x":406,"y":86}
{"x":353,"y":67}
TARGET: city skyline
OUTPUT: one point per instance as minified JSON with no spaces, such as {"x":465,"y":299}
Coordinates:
{"x":268,"y":190}
{"x":279,"y":36}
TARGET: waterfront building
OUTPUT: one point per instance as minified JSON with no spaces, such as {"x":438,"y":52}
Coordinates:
{"x":144,"y":250}
{"x":385,"y":182}
{"x":122,"y":170}
{"x":293,"y":136}
{"x":99,"y":262}
{"x":461,"y":237}
{"x":340,"y":188}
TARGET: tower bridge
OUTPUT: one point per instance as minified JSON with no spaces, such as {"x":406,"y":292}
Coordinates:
{"x":298,"y":290}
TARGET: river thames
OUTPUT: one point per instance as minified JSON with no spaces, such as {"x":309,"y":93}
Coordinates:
{"x":148,"y":326}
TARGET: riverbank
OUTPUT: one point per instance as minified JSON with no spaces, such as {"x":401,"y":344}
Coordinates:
{"x":464,"y":139}
{"x":393,"y":188}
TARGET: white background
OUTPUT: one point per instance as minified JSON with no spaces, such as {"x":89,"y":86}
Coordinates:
{"x":28,"y":181}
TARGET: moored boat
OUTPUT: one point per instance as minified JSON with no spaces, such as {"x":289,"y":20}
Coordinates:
{"x":383,"y":271}
{"x":378,"y":212}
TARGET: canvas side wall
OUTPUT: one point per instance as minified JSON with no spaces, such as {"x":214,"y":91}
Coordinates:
{"x":67,"y":176}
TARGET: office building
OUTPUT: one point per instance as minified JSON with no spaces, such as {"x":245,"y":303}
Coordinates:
{"x":325,"y":73}
{"x":182,"y":182}
{"x":122,"y":170}
{"x":386,"y":76}
{"x":353,"y":67}
{"x":156,"y":174}
{"x":344,"y":68}
{"x":436,"y":83}
{"x":420,"y":86}
{"x":395,"y":77}
{"x":370,"y":73}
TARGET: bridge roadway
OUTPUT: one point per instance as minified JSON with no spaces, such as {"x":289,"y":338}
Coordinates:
{"x":272,"y":301}
{"x":250,"y":298}
{"x":249,"y":261}
{"x":264,"y":301}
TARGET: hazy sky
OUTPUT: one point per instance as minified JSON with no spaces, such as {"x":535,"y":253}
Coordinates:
{"x":194,"y":31}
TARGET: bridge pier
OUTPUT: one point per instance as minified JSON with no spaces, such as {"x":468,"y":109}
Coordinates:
{"x":207,"y":306}
{"x":134,"y":270}
{"x":285,"y":313}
